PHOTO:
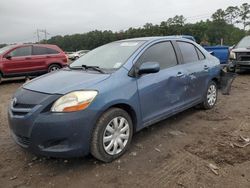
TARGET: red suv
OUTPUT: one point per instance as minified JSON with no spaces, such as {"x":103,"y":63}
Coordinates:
{"x":30,"y":60}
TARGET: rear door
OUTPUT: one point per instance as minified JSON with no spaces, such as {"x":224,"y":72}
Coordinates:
{"x":40,"y":57}
{"x":164,"y":92}
{"x":195,"y":64}
{"x":20,"y":61}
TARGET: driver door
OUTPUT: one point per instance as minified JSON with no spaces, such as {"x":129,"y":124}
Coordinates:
{"x":164,"y":92}
{"x":19,"y":61}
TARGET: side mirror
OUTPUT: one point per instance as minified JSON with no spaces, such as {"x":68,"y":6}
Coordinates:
{"x":149,"y":67}
{"x":212,"y":53}
{"x":8,"y":57}
{"x":232,"y":47}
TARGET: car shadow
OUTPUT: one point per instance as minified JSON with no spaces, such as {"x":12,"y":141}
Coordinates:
{"x":7,"y":81}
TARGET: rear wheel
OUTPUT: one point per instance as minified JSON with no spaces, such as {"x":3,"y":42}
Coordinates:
{"x":211,"y":96}
{"x":112,"y":135}
{"x":54,"y":67}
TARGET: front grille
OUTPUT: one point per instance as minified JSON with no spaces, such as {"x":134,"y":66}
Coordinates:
{"x":20,"y":105}
{"x":25,"y":141}
{"x":24,"y":101}
{"x":19,"y":109}
{"x":243,"y":56}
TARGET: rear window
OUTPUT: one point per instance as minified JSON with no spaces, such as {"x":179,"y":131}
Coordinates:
{"x":188,"y":52}
{"x":52,"y":51}
{"x":39,"y":50}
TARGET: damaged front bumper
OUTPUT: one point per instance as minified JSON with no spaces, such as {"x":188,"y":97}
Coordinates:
{"x":226,"y":79}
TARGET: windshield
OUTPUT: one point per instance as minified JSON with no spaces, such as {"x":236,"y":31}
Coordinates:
{"x":244,"y":43}
{"x":109,"y":56}
{"x":6,"y":48}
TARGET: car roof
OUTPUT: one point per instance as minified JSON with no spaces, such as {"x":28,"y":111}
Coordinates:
{"x":157,"y":38}
{"x":27,"y":44}
{"x":52,"y":46}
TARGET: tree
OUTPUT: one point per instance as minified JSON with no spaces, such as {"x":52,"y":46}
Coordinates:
{"x":2,"y":45}
{"x":177,"y":20}
{"x":245,"y":15}
{"x":232,"y":14}
{"x":219,"y":15}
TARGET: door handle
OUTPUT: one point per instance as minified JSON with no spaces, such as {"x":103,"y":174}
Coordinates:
{"x":206,"y":67}
{"x":180,"y":74}
{"x":28,"y":58}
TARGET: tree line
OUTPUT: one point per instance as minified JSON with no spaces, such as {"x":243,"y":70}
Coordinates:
{"x":222,"y":25}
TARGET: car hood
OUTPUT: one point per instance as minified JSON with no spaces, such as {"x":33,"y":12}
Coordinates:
{"x":237,"y":50}
{"x":65,"y":81}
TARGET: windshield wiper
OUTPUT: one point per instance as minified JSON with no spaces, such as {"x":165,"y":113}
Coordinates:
{"x":96,"y":68}
{"x":86,"y":67}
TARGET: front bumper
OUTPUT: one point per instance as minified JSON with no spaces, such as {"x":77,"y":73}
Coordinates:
{"x":242,"y":65}
{"x":52,"y":134}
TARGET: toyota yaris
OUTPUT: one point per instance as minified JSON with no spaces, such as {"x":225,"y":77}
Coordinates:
{"x":97,"y":103}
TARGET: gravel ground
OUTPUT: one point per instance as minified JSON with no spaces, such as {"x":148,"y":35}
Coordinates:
{"x":192,"y":149}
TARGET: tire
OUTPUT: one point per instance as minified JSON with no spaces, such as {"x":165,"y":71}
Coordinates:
{"x":120,"y":139}
{"x":54,"y":67}
{"x":211,"y":96}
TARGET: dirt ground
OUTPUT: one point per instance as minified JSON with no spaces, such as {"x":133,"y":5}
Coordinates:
{"x":173,"y":153}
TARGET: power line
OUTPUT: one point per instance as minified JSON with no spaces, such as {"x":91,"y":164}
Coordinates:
{"x":199,"y":15}
{"x":190,"y":18}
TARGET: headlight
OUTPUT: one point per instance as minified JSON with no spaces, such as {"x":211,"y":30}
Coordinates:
{"x":74,"y":101}
{"x":232,"y":55}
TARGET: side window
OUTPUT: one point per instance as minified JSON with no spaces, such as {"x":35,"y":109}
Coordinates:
{"x":37,"y":50}
{"x":200,"y":54}
{"x":188,"y":52}
{"x":52,"y":51}
{"x":162,"y":53}
{"x":21,"y":51}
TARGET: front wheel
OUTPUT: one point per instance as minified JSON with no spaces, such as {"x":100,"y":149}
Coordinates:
{"x":112,"y":135}
{"x":211,"y":96}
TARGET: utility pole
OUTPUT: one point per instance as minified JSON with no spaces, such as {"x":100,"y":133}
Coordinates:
{"x":37,"y":33}
{"x":44,"y":31}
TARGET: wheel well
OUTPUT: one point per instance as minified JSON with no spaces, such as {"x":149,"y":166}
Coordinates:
{"x":55,"y":64}
{"x":130,"y":111}
{"x":216,"y":80}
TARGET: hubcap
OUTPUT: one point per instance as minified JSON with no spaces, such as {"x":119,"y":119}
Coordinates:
{"x":211,"y":95}
{"x":54,"y":68}
{"x":116,"y":135}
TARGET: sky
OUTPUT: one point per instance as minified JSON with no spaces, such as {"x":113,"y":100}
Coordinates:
{"x":20,"y":19}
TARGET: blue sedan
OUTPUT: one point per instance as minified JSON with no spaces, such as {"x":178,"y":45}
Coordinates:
{"x":98,"y":102}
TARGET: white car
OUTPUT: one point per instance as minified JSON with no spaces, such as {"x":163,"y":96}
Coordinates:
{"x":76,"y":55}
